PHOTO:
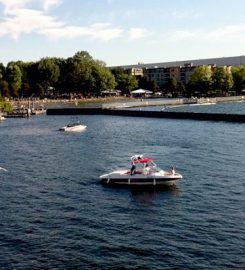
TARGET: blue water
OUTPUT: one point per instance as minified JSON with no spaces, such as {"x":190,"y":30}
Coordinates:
{"x":54,"y":214}
{"x":231,"y":108}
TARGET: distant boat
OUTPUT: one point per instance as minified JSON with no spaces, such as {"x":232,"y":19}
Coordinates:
{"x":74,"y":127}
{"x":2,"y":118}
{"x":145,"y":173}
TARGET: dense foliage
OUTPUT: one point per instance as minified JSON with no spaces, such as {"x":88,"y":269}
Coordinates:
{"x":79,"y":75}
{"x":82,"y":76}
{"x":5,"y":106}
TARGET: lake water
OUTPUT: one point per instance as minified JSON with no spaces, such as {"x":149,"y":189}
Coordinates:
{"x":56,"y":215}
{"x":231,"y":108}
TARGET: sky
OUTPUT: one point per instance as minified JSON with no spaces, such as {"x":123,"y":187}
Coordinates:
{"x":121,"y":32}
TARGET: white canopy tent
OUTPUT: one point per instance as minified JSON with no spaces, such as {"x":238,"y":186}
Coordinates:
{"x":141,"y":93}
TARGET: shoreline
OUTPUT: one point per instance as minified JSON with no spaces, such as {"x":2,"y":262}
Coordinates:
{"x":121,"y":102}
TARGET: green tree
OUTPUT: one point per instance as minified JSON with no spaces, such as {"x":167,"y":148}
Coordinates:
{"x":39,"y":90}
{"x":4,"y":89}
{"x":79,"y":76}
{"x":117,"y":72}
{"x":103,"y":78}
{"x":201,"y":80}
{"x":32,"y":79}
{"x":172,"y":86}
{"x":2,"y":71}
{"x":222,"y":80}
{"x":13,"y":75}
{"x":61,"y":84}
{"x":238,"y":75}
{"x":25,"y":89}
{"x":49,"y":73}
{"x":126,"y":83}
{"x":146,"y":83}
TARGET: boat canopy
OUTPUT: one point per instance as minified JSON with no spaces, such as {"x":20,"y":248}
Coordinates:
{"x":144,"y":160}
{"x":141,"y":159}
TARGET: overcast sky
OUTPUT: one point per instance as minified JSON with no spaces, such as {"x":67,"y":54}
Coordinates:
{"x":121,"y":32}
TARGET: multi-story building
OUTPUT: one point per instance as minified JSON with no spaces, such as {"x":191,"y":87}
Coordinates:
{"x":222,"y":61}
{"x":136,"y":71}
{"x":180,"y":70}
{"x":162,"y":75}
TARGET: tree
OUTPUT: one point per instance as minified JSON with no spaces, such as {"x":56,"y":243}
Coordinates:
{"x":118,"y":71}
{"x":49,"y":73}
{"x":126,"y":83}
{"x":32,"y":78}
{"x":201,"y":80}
{"x":172,"y":86}
{"x":13,"y":75}
{"x":79,"y":73}
{"x":5,"y":105}
{"x":238,"y":74}
{"x":4,"y":88}
{"x":103,"y":78}
{"x":146,"y":83}
{"x":2,"y":71}
{"x":25,"y":89}
{"x":222,"y":80}
{"x":39,"y":91}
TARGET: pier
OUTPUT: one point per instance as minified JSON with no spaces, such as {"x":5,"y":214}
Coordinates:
{"x":155,"y":114}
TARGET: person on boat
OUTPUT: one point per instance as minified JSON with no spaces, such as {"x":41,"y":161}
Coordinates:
{"x":133,"y":167}
{"x":173,"y":170}
{"x":132,"y":170}
{"x":147,"y":169}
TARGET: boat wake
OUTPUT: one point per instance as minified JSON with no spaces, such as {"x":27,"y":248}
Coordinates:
{"x":3,"y":169}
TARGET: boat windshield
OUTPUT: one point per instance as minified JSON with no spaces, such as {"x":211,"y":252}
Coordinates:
{"x":74,"y":124}
{"x":154,"y":166}
{"x":142,"y":162}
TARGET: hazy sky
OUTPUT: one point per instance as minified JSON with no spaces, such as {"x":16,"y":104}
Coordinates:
{"x":121,"y":32}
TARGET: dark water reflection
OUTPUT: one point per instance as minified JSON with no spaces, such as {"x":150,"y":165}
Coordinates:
{"x":56,"y":215}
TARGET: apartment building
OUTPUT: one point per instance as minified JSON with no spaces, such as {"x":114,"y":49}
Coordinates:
{"x":180,"y":70}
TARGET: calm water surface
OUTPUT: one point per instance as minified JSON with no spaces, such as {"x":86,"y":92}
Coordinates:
{"x":54,"y":214}
{"x":230,"y":108}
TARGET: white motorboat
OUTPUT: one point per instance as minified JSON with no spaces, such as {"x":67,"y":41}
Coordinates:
{"x":146,"y":173}
{"x":74,"y":127}
{"x":2,"y":118}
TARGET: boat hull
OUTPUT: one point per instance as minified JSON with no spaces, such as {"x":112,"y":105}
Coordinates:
{"x":73,"y":129}
{"x":140,"y":181}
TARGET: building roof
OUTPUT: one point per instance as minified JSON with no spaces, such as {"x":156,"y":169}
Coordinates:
{"x":222,"y":61}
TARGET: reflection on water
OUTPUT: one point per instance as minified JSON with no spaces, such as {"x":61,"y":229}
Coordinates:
{"x":148,"y":194}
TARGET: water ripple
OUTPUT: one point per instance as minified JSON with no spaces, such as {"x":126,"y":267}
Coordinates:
{"x":54,"y":214}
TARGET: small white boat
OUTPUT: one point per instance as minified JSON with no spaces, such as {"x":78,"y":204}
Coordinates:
{"x":74,"y":127}
{"x":2,"y":118}
{"x":146,"y":173}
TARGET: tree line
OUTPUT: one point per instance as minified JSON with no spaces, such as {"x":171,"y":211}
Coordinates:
{"x":82,"y":76}
{"x":217,"y":81}
{"x":79,"y":75}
